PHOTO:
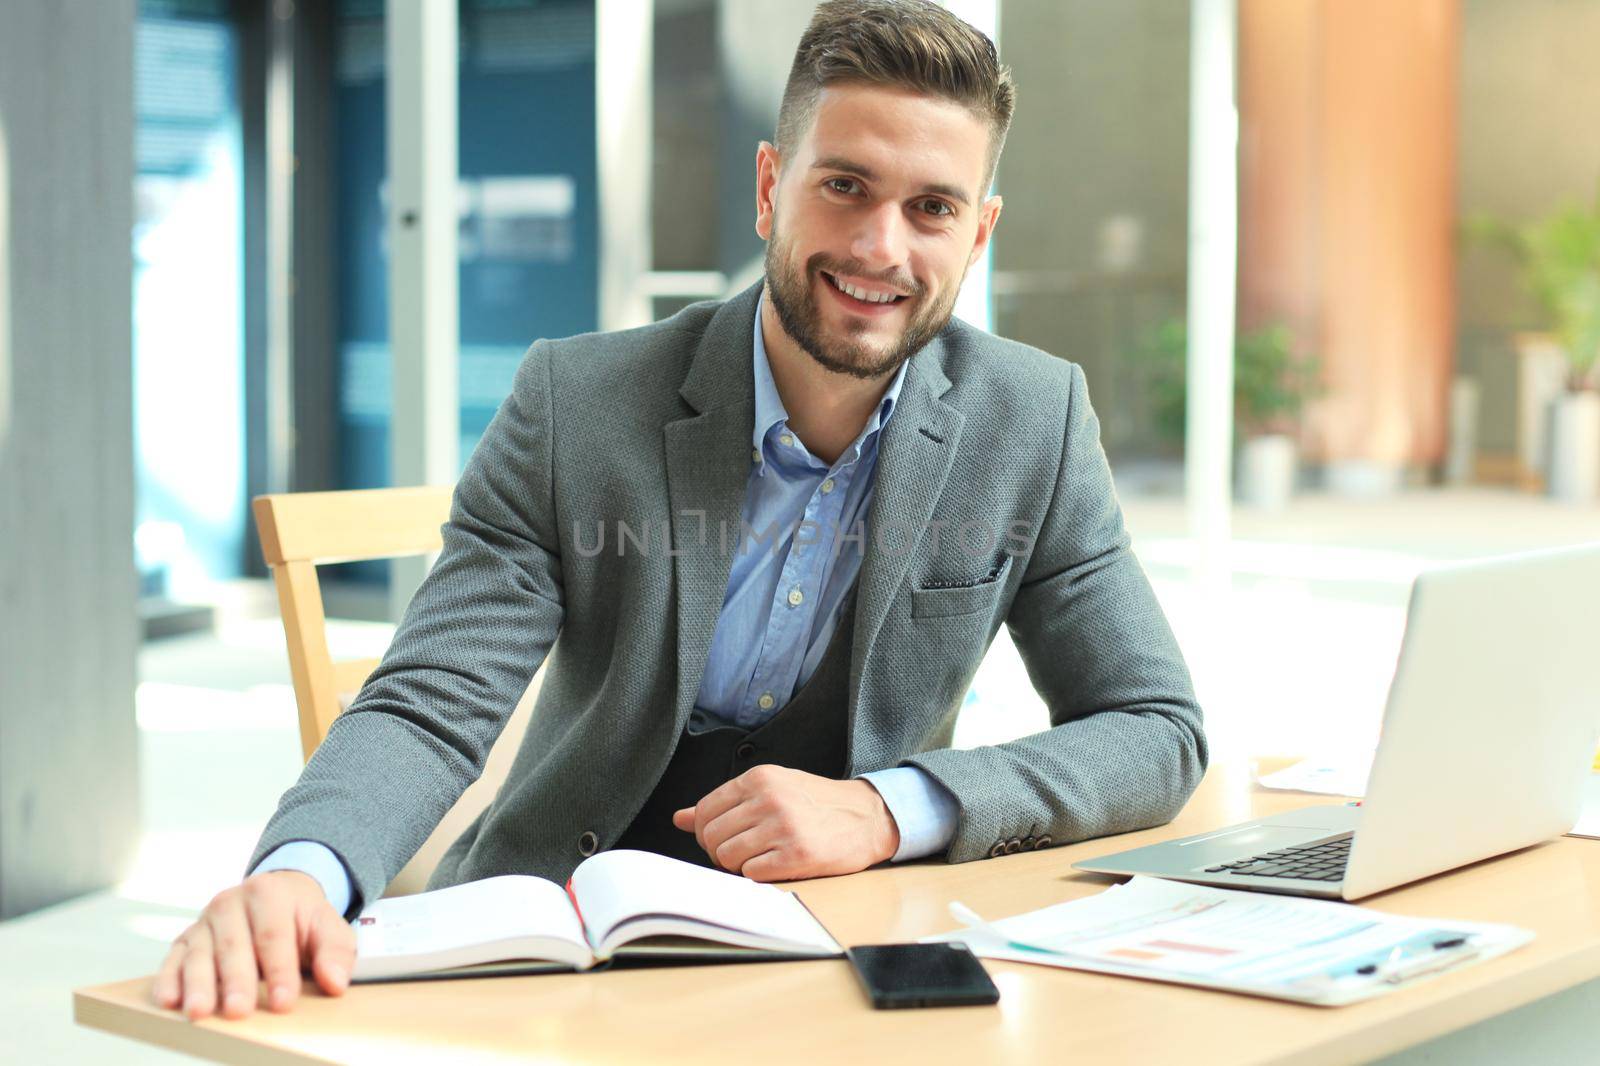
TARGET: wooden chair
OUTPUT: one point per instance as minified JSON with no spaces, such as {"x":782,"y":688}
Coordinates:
{"x":303,"y":530}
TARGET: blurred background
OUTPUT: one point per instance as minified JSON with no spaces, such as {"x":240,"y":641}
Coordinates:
{"x":1331,"y":267}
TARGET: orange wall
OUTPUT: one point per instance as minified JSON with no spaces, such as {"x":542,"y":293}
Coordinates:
{"x":1347,"y":210}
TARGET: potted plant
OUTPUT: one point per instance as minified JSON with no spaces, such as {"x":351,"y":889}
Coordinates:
{"x":1271,"y":384}
{"x":1560,"y":260}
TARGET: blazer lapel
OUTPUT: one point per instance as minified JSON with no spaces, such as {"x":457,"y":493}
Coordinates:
{"x":708,"y":469}
{"x":914,"y":457}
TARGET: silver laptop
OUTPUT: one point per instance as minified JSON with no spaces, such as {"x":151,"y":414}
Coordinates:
{"x":1488,"y":735}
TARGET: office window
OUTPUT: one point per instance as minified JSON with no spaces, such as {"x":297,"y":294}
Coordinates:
{"x":187,"y":328}
{"x":1090,"y":257}
{"x":528,"y":215}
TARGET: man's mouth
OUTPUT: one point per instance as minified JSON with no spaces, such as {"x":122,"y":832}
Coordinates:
{"x":864,"y":298}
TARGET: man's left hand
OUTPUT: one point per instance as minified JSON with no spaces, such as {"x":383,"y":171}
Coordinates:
{"x":772,"y":823}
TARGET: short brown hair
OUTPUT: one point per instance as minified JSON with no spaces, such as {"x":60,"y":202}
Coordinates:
{"x":912,"y":44}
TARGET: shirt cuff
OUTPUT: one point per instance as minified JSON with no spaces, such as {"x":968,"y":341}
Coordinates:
{"x":924,"y":810}
{"x":316,"y":860}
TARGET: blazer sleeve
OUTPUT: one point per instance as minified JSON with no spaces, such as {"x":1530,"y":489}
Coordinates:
{"x":472,"y":637}
{"x":1126,"y":748}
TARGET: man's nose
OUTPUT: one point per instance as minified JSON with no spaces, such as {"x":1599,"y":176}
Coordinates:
{"x":881,"y":238}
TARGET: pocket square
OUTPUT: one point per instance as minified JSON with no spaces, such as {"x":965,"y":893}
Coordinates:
{"x":968,"y":582}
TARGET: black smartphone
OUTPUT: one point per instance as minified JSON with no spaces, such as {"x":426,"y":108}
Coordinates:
{"x":922,"y":975}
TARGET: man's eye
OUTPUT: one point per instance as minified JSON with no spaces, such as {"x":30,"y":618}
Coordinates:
{"x":842,"y":185}
{"x":937,"y":208}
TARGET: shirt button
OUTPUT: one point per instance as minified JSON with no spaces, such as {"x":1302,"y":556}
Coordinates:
{"x":796,"y":597}
{"x":827,"y":485}
{"x":755,"y":454}
{"x":766,"y":701}
{"x":786,"y":440}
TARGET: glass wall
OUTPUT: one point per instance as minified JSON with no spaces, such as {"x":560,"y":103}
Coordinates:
{"x":528,"y":218}
{"x":1418,"y":188}
{"x":1090,"y":257}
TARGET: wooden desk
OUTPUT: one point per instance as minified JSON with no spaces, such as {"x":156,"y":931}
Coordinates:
{"x":813,"y":1011}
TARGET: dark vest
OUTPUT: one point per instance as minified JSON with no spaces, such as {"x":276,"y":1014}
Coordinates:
{"x":809,"y":733}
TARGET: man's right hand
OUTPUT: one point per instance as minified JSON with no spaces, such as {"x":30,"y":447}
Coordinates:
{"x":273,"y":924}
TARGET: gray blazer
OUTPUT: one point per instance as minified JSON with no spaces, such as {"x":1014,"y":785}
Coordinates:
{"x":652,"y":427}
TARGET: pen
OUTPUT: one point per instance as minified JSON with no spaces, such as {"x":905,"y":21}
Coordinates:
{"x":1426,"y":964}
{"x":1395,"y":969}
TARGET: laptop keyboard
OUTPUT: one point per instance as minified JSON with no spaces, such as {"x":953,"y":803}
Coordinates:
{"x":1324,"y":861}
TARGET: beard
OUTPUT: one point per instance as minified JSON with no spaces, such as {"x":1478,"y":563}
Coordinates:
{"x":794,"y":299}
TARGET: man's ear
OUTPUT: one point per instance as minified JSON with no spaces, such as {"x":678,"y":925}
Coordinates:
{"x":988,"y":218}
{"x":768,"y":163}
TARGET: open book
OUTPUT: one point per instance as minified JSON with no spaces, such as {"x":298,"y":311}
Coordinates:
{"x":628,"y":903}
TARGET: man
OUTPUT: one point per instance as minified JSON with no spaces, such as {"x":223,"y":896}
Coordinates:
{"x":765,"y":545}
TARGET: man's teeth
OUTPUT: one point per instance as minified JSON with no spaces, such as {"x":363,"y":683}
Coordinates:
{"x":861,"y":294}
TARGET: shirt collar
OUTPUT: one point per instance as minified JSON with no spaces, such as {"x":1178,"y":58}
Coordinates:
{"x":769,"y":405}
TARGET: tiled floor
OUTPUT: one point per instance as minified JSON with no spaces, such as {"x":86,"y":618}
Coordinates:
{"x":1291,"y":652}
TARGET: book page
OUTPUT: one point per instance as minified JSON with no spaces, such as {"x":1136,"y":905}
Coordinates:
{"x":619,"y":892}
{"x":482,"y":921}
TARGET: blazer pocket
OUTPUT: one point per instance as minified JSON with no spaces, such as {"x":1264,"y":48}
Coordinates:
{"x":943,"y":600}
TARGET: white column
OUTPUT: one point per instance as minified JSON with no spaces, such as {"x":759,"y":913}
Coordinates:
{"x":280,"y":251}
{"x":974,"y":304}
{"x":1213,"y":251}
{"x":425,"y":425}
{"x":5,"y":296}
{"x":623,"y":100}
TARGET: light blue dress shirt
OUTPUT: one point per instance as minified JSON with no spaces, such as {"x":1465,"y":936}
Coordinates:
{"x":799,"y":554}
{"x":803,"y":521}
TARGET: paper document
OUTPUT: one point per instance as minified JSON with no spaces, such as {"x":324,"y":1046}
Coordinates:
{"x":1589,"y":821}
{"x":1342,"y":775}
{"x":1284,"y":947}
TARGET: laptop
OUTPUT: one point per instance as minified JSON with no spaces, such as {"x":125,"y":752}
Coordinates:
{"x":1488,"y":734}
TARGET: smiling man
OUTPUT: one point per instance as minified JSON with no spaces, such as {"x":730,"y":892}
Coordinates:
{"x":760,"y":549}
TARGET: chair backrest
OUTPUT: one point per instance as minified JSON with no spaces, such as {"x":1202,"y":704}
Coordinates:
{"x":300,"y":531}
{"x":303,"y":530}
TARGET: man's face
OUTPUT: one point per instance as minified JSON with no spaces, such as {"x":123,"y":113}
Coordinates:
{"x":871,"y":224}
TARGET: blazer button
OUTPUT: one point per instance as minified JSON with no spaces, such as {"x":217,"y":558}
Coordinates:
{"x":998,"y":850}
{"x":1013,"y":846}
{"x":745,"y":750}
{"x":1029,"y":843}
{"x":1042,"y":842}
{"x":588,"y":844}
